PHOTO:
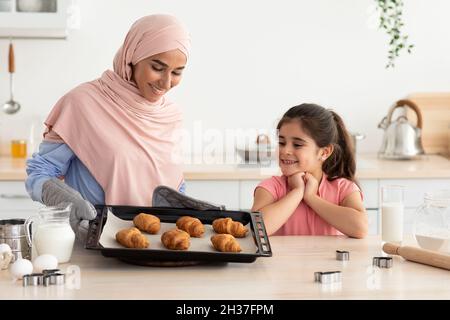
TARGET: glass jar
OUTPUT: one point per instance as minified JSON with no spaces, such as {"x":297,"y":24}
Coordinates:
{"x":18,"y":148}
{"x":432,"y":221}
{"x":51,"y":233}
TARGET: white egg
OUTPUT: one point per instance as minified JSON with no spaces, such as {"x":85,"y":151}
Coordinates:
{"x":5,"y":248}
{"x":20,"y":268}
{"x":45,"y":261}
{"x":5,"y":259}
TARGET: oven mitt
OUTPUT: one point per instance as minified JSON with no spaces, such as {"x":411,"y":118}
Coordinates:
{"x":56,"y":192}
{"x":167,"y":197}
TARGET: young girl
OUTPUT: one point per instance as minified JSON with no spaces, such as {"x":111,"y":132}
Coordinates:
{"x":317,"y":193}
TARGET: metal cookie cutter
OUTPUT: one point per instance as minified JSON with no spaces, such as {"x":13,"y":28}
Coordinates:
{"x":382,"y":262}
{"x":342,"y":255}
{"x":33,"y":279}
{"x":327,"y":277}
{"x":50,"y":271}
{"x":54,"y":278}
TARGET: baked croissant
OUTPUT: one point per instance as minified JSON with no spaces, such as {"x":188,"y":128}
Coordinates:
{"x":227,"y":225}
{"x":191,"y":225}
{"x":225,"y":243}
{"x":176,"y":239}
{"x":132,"y":238}
{"x":147,"y":222}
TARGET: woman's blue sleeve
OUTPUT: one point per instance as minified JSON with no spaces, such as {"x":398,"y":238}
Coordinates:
{"x":52,"y":161}
{"x":182,"y":188}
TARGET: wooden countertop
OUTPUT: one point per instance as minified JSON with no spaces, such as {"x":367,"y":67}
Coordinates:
{"x":289,"y":274}
{"x":12,"y":168}
{"x":428,"y":166}
{"x":368,"y":167}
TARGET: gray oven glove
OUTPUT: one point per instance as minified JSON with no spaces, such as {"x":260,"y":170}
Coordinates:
{"x":56,"y":192}
{"x":167,"y":197}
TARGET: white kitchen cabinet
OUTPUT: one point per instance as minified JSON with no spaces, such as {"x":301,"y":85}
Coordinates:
{"x":369,"y":189}
{"x":36,"y":18}
{"x":247,"y":188}
{"x":215,"y":191}
{"x":415,"y":189}
{"x":374,"y":223}
{"x":15,"y":202}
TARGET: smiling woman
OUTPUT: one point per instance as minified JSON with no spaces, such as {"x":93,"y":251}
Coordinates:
{"x":159,"y":73}
{"x":113,"y":139}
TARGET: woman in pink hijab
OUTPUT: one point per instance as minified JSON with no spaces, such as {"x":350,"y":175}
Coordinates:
{"x":115,"y":139}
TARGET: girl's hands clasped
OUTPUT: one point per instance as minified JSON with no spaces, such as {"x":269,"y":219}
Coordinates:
{"x":311,"y":186}
{"x":296,"y":181}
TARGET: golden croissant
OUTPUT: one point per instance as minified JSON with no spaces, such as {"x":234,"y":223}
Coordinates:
{"x":227,"y":225}
{"x":225,"y":243}
{"x":191,"y":225}
{"x":132,"y":238}
{"x":147,"y":222}
{"x":176,"y":239}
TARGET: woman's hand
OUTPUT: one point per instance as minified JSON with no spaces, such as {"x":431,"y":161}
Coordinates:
{"x":311,"y":186}
{"x":56,"y":192}
{"x":296,"y":181}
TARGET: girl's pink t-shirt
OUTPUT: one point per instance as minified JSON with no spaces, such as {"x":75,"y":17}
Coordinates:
{"x":304,"y":220}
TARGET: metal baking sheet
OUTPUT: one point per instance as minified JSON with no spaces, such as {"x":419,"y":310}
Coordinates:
{"x":114,"y":224}
{"x":110,"y":219}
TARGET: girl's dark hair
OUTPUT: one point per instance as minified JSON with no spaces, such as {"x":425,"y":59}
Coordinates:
{"x":326,"y":127}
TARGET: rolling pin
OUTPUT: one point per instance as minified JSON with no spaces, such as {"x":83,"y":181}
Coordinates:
{"x":423,"y":256}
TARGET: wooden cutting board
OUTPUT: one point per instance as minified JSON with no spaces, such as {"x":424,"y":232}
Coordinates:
{"x":435,"y":109}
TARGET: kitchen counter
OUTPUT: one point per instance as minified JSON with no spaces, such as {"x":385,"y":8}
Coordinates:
{"x":289,"y":274}
{"x":12,"y":169}
{"x":368,"y":167}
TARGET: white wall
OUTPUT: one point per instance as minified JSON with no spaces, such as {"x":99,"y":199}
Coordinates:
{"x":251,"y":60}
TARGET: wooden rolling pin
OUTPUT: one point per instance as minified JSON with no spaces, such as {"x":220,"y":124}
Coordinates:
{"x":423,"y":256}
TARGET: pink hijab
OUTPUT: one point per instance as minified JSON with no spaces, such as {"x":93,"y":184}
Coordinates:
{"x":129,"y":144}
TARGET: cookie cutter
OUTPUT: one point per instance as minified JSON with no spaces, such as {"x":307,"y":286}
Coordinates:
{"x":342,"y":255}
{"x":382,"y":262}
{"x":33,"y":279}
{"x":50,"y":271}
{"x":54,"y":278}
{"x":327,"y":276}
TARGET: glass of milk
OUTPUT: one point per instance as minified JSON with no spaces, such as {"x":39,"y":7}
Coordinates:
{"x":392,"y":207}
{"x":52,"y":233}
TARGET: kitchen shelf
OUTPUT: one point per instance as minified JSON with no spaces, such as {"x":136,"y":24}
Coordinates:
{"x":34,"y":19}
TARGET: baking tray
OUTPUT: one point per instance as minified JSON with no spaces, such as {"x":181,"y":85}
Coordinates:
{"x":252,"y":220}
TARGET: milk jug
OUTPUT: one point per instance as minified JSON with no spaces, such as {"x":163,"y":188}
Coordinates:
{"x":51,"y":232}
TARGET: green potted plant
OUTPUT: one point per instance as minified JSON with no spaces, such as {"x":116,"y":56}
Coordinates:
{"x":391,"y":22}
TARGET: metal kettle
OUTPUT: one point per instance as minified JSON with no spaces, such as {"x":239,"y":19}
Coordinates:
{"x":401,"y":140}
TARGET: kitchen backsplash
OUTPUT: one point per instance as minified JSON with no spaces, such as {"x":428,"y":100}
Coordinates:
{"x":435,"y":109}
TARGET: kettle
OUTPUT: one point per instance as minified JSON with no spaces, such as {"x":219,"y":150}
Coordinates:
{"x":401,"y":140}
